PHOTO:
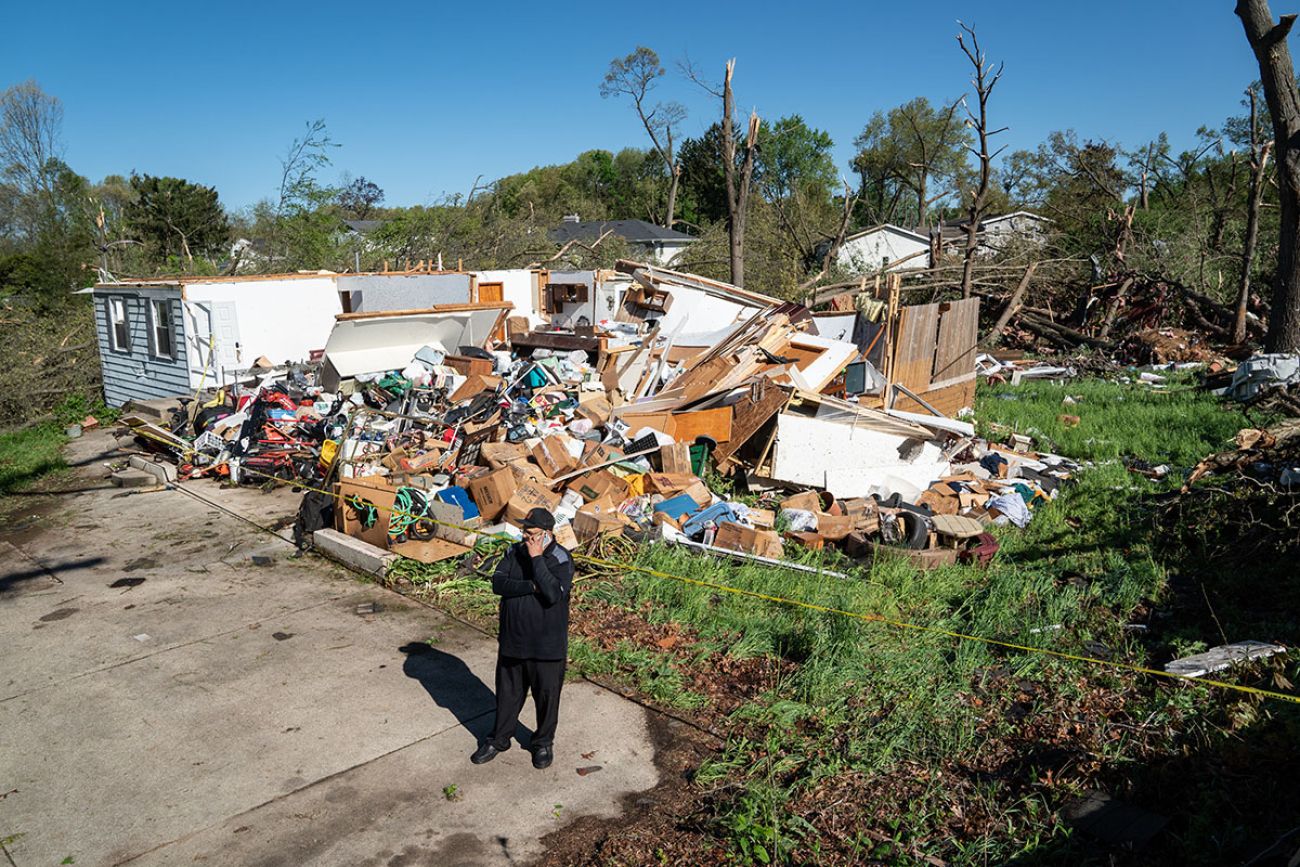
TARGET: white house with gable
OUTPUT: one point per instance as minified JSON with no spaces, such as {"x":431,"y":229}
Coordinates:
{"x":884,"y":248}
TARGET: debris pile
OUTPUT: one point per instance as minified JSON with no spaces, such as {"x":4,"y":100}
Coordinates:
{"x":418,"y":431}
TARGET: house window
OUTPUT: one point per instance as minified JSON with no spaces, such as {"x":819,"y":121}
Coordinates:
{"x":160,"y":317}
{"x":119,"y":330}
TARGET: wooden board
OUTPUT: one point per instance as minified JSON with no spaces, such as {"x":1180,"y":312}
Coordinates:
{"x":949,"y":400}
{"x":914,"y":347}
{"x":750,"y":413}
{"x":954,"y":358}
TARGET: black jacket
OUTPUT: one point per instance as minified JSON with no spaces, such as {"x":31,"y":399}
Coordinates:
{"x":534,"y":595}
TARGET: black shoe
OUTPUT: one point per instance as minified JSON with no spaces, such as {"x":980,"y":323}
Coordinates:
{"x":486,"y":752}
{"x":542,"y":757}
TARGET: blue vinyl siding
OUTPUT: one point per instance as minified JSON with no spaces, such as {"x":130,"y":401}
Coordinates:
{"x":137,"y":373}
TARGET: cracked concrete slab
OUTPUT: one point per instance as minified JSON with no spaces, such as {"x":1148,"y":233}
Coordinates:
{"x":227,"y":711}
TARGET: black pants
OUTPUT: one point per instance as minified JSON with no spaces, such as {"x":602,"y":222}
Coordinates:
{"x":515,"y":677}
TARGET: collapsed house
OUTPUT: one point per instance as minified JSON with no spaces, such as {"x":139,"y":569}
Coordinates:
{"x":609,"y":401}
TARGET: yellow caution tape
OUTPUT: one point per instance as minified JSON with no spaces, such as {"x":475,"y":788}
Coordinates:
{"x":825,"y":609}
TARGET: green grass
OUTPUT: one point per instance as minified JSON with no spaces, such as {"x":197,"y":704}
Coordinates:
{"x":29,"y":455}
{"x":938,"y":727}
{"x":1178,"y":424}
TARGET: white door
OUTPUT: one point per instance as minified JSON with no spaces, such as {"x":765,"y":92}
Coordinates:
{"x":216,"y":342}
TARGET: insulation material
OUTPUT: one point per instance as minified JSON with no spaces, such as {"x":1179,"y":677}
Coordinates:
{"x":853,"y":459}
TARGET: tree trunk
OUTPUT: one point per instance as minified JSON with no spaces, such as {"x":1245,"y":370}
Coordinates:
{"x":1277,"y":75}
{"x":674,"y":179}
{"x":737,"y":187}
{"x":1013,"y":305}
{"x":1258,"y":175}
{"x":984,"y":84}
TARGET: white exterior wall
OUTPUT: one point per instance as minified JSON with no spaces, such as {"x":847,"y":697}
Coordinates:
{"x":867,"y":253}
{"x":282,"y":319}
{"x":518,"y":287}
{"x":1013,"y":229}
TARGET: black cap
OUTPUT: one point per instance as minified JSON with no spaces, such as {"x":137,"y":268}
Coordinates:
{"x":541,"y":519}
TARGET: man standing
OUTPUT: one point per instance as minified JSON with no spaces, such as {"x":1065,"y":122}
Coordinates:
{"x":533,"y":579}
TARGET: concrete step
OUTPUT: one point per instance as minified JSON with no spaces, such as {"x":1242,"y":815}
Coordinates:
{"x":353,"y":553}
{"x":163,"y":472}
{"x":133,"y":479}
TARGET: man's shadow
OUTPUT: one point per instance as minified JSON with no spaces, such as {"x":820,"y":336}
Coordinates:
{"x":452,"y":685}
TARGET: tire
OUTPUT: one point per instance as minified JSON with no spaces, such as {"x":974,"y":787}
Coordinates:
{"x":916,"y":530}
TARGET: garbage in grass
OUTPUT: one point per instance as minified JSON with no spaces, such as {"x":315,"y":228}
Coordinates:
{"x":423,"y":431}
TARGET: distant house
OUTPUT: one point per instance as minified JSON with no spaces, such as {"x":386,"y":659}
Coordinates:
{"x":361,"y":227}
{"x":656,"y":244}
{"x":1017,"y":227}
{"x":891,"y":248}
{"x":884,"y":248}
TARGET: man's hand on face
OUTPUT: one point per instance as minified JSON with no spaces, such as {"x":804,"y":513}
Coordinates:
{"x":535,"y":541}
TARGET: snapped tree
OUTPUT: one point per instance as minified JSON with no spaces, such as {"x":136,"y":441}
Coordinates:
{"x":1267,"y":39}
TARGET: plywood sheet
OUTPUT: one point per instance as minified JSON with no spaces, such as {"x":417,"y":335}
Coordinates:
{"x":914,"y":347}
{"x":761,"y":401}
{"x":954,"y":359}
{"x":949,"y":400}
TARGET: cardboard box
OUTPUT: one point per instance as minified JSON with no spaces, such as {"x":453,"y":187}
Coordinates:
{"x":595,"y":409}
{"x":530,"y":495}
{"x":597,"y":484}
{"x":425,"y":462}
{"x":808,"y":501}
{"x":598,"y":518}
{"x":833,"y":528}
{"x":811,"y":541}
{"x":668,"y":483}
{"x":553,"y":456}
{"x":497,"y":455}
{"x":595,"y":454}
{"x":738,"y":537}
{"x":492,"y":492}
{"x":675,"y":458}
{"x":699,"y":492}
{"x":764,"y":519}
{"x":474,"y":385}
{"x":565,"y":538}
{"x":374,"y":490}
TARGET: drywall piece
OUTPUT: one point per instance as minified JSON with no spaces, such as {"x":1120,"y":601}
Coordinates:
{"x":352,"y":552}
{"x":853,"y":459}
{"x":379,"y":342}
{"x":952,"y":425}
{"x":832,"y":357}
{"x":1224,"y":656}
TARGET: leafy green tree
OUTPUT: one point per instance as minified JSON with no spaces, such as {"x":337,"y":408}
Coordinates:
{"x":635,"y":76}
{"x":910,"y":159}
{"x":176,"y":218}
{"x":360,"y":197}
{"x":704,"y":181}
{"x":795,"y":173}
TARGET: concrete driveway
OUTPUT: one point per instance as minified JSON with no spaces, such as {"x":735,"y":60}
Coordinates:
{"x":234,"y":708}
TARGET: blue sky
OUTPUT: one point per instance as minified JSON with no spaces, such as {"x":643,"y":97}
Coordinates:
{"x":425,"y":97}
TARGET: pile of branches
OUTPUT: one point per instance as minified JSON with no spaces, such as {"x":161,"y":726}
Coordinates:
{"x":1124,"y":316}
{"x":46,"y":358}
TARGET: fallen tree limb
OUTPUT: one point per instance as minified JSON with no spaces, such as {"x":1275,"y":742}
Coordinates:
{"x":1013,"y":305}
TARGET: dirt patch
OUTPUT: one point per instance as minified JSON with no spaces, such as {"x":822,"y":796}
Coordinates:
{"x":655,"y":826}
